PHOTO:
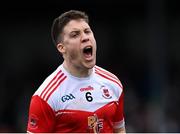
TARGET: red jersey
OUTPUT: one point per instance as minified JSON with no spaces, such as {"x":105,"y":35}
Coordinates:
{"x":68,"y":104}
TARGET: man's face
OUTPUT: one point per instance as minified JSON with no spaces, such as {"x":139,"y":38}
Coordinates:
{"x":79,"y":44}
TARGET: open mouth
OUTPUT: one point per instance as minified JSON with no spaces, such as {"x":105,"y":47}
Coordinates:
{"x":87,"y":51}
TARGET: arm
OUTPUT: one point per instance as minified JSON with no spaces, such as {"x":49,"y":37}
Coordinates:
{"x":119,"y":124}
{"x":41,"y":116}
{"x":120,"y":130}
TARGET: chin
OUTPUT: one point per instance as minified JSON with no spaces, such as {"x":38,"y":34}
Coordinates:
{"x":90,"y":65}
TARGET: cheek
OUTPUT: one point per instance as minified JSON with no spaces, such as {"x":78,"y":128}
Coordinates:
{"x":73,"y":53}
{"x":93,"y":41}
{"x":72,"y":49}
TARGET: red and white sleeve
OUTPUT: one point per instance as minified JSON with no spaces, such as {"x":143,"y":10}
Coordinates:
{"x":41,"y":116}
{"x":119,"y":117}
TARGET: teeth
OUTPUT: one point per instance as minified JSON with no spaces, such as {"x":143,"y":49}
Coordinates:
{"x":87,"y":47}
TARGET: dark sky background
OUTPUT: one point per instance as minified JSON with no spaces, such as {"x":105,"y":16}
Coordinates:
{"x":139,"y":41}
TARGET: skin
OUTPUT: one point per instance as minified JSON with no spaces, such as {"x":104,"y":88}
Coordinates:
{"x":77,"y":35}
{"x":120,"y":130}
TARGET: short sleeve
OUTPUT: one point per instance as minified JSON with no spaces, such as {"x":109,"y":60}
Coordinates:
{"x":41,"y":116}
{"x":119,"y":117}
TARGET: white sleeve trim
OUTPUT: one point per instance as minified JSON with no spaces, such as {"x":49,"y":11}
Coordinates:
{"x":29,"y":132}
{"x":119,"y":124}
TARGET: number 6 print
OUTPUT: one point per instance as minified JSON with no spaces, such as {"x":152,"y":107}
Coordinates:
{"x":89,"y":97}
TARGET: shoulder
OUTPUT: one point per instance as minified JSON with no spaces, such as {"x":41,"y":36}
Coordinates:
{"x":50,"y":84}
{"x":107,"y":75}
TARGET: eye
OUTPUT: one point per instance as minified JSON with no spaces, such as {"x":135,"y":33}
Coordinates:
{"x":74,"y":34}
{"x":87,"y":31}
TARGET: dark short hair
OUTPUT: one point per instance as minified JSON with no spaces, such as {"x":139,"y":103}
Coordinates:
{"x":60,"y":22}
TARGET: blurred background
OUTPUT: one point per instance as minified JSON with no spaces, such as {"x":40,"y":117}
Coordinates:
{"x":138,"y":40}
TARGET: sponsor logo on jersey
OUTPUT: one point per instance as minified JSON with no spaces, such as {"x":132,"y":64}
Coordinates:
{"x":106,"y":94}
{"x":86,"y":88}
{"x":95,"y":124}
{"x":67,"y":97}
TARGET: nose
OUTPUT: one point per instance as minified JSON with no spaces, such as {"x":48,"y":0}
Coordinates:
{"x":84,"y":37}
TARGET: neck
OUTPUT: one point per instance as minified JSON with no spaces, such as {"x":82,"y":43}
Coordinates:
{"x":77,"y":71}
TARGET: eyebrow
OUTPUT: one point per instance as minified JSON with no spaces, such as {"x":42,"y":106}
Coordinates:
{"x":75,"y":31}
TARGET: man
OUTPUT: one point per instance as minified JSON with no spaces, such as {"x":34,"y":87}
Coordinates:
{"x":78,"y":96}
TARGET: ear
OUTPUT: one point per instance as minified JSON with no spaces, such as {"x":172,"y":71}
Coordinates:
{"x":61,"y":48}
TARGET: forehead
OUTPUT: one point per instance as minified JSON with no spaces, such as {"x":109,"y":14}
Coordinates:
{"x":79,"y":24}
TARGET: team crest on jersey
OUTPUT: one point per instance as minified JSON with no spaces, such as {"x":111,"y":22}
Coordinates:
{"x":106,"y":93}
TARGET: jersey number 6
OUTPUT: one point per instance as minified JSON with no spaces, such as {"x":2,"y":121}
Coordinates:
{"x":89,"y":97}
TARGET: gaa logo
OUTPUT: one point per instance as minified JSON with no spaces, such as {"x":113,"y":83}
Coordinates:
{"x":67,"y":97}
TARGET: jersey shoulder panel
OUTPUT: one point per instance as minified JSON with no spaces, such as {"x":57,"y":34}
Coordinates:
{"x":106,"y":72}
{"x":50,"y":84}
{"x":108,"y":75}
{"x":110,"y":79}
